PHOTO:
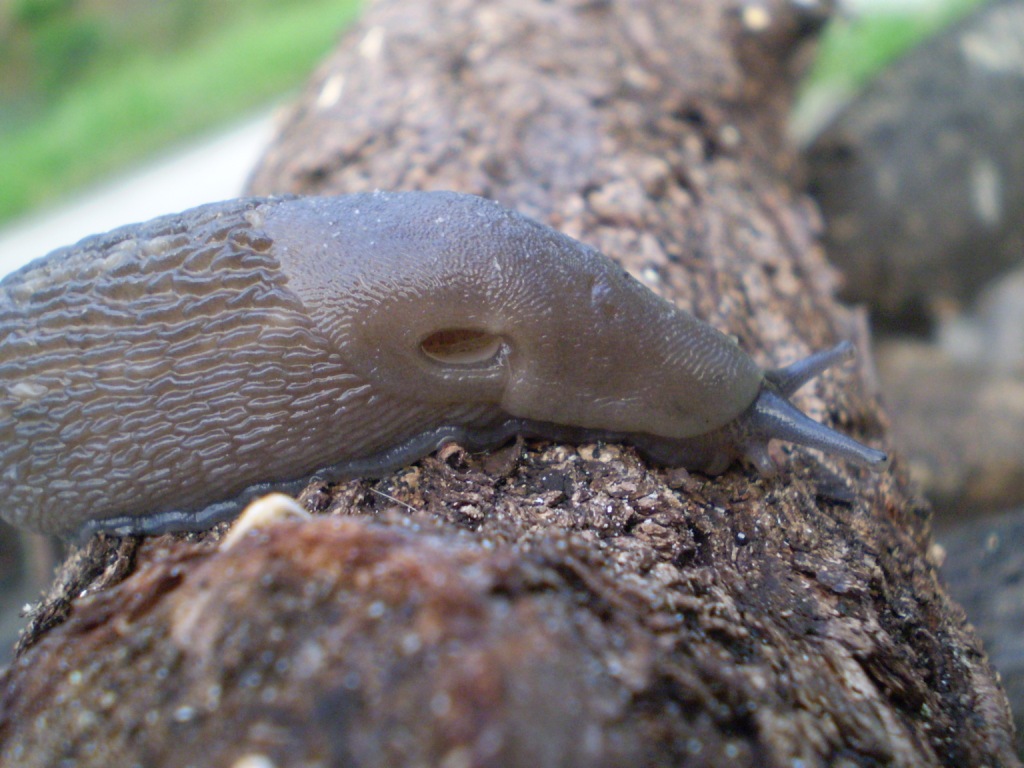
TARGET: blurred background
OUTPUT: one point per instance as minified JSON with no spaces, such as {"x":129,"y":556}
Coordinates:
{"x":911,"y":122}
{"x":915,"y":155}
{"x":136,"y":90}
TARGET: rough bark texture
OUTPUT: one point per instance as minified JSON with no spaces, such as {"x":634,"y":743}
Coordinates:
{"x":984,"y":566}
{"x":546,"y":604}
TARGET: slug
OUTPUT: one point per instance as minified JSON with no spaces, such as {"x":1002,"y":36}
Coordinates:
{"x":158,"y":377}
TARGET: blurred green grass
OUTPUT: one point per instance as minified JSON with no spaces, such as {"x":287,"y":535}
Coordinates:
{"x":112,"y":88}
{"x":116,"y":114}
{"x":855,"y":49}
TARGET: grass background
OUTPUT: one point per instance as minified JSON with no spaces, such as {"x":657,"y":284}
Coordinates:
{"x":90,"y":87}
{"x":855,"y":48}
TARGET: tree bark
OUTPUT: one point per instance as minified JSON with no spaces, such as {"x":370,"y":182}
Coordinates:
{"x":551,"y":604}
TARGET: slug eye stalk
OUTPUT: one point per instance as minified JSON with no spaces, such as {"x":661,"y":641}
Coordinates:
{"x":789,"y":379}
{"x":772,"y":416}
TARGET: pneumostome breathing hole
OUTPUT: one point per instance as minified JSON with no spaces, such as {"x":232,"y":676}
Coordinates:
{"x":461,"y":346}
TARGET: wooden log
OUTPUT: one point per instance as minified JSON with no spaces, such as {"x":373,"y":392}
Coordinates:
{"x":552,"y":605}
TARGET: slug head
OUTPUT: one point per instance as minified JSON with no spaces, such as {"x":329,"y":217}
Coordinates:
{"x":447,"y":298}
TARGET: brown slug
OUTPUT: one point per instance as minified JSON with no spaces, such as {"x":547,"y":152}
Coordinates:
{"x":159,"y":376}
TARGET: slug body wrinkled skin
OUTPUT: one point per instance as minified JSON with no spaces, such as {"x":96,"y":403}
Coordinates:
{"x":158,"y":376}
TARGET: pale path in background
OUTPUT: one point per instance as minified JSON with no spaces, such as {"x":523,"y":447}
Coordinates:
{"x":212,"y":169}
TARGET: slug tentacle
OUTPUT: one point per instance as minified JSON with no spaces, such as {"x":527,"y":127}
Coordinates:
{"x":789,"y":379}
{"x":772,"y":417}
